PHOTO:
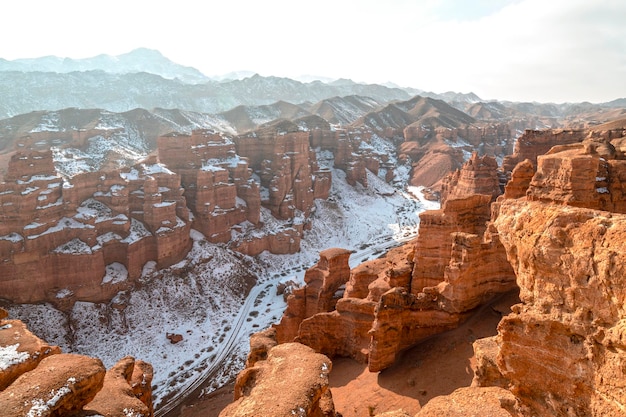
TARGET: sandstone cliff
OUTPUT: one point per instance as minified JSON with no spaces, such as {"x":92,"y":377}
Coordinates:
{"x":420,"y":289}
{"x":561,"y":351}
{"x":87,"y":237}
{"x":37,"y":379}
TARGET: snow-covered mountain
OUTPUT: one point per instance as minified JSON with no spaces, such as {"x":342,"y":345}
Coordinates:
{"x":144,"y":78}
{"x":137,"y":60}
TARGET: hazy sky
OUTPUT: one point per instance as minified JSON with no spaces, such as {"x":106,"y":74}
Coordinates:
{"x":541,"y":50}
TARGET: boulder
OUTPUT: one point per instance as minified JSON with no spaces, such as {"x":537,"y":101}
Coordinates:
{"x":126,"y":391}
{"x":293,"y":380}
{"x":61,"y":385}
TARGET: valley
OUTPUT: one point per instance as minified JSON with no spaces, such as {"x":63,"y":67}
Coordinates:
{"x":219,"y":230}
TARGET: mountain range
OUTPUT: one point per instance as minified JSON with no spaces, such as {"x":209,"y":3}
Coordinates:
{"x":144,"y":78}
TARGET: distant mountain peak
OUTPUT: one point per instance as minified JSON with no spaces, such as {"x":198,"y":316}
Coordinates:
{"x":138,"y":60}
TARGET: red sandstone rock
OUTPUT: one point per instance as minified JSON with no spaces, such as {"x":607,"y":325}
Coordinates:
{"x":174,"y":338}
{"x":61,"y":385}
{"x":520,"y":180}
{"x":478,"y":176}
{"x":560,"y":349}
{"x":537,"y":142}
{"x":124,"y":392}
{"x":20,"y":350}
{"x":318,"y":295}
{"x":419,"y":290}
{"x":34,"y":383}
{"x":473,"y":401}
{"x":293,"y":380}
{"x":89,"y":237}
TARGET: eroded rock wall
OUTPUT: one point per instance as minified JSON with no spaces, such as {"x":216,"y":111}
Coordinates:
{"x":88,"y":237}
{"x":422,"y":288}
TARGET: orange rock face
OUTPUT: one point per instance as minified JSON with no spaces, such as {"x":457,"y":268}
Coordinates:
{"x":292,"y":380}
{"x":318,"y":295}
{"x":570,"y":326}
{"x":562,"y":350}
{"x":537,"y":142}
{"x":423,"y":288}
{"x":228,"y":180}
{"x":126,"y":390}
{"x":89,"y":237}
{"x":60,"y":385}
{"x":22,"y":350}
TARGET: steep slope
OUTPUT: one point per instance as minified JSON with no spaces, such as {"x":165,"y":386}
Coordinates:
{"x":344,"y":110}
{"x":244,"y":118}
{"x":419,"y":111}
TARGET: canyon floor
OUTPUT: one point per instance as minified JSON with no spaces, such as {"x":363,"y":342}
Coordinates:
{"x":435,"y":367}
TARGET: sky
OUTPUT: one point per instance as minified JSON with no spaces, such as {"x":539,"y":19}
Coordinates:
{"x":520,"y":50}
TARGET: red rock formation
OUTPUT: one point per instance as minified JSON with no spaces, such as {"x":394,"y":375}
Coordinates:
{"x":472,"y":401}
{"x":293,"y":380}
{"x":478,"y":176}
{"x":217,"y":174}
{"x":318,"y":295}
{"x":579,"y":176}
{"x":421,"y":289}
{"x":88,"y":237}
{"x":37,"y":379}
{"x":437,"y":151}
{"x":61,"y":385}
{"x":520,"y":180}
{"x":537,"y":142}
{"x":126,"y":390}
{"x":561,"y":351}
{"x":563,"y":348}
{"x":22,"y":351}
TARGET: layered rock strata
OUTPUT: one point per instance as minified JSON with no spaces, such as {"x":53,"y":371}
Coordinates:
{"x":420,"y":289}
{"x":88,"y":237}
{"x":37,"y":379}
{"x":537,"y":142}
{"x":228,"y":183}
{"x":562,"y":352}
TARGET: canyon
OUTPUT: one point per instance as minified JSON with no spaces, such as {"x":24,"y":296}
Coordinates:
{"x":200,"y":208}
{"x":555,"y":233}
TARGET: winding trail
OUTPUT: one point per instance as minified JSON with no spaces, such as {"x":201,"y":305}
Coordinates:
{"x":261,"y":293}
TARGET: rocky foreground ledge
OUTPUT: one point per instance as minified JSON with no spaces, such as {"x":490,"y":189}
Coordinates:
{"x":36,"y":379}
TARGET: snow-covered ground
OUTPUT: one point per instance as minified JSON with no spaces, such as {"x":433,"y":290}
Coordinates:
{"x":201,"y":297}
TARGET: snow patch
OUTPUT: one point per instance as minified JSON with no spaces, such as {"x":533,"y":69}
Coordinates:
{"x":115,"y":273}
{"x":9,"y":356}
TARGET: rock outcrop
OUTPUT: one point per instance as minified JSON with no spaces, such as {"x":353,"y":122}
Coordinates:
{"x":420,"y":289}
{"x":21,"y":350}
{"x":472,"y":401}
{"x":561,"y":352}
{"x":126,"y":390}
{"x":88,"y":237}
{"x":61,"y":384}
{"x":228,"y":182}
{"x":36,"y":379}
{"x":319,"y":295}
{"x":291,"y":381}
{"x":563,"y":348}
{"x":537,"y":142}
